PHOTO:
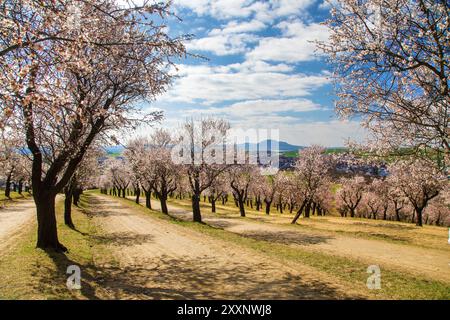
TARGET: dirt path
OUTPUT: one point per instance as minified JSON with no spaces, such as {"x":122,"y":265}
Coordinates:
{"x":158,"y":260}
{"x":14,"y":219}
{"x":434,"y":264}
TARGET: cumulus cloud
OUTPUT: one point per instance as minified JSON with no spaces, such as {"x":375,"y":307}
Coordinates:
{"x":259,"y":108}
{"x":229,"y":9}
{"x":239,"y":27}
{"x":223,"y":44}
{"x":295,"y":45}
{"x":209,"y":85}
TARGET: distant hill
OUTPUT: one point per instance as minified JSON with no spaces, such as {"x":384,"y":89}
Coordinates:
{"x":267,"y":145}
{"x":285,"y":148}
{"x":114,"y":150}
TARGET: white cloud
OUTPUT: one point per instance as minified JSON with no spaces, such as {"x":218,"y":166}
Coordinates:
{"x":229,"y":9}
{"x":295,"y":45}
{"x":209,"y":85}
{"x":223,"y":44}
{"x":333,"y":133}
{"x":260,"y":108}
{"x":239,"y":27}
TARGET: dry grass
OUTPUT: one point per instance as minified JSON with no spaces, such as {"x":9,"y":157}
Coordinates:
{"x":30,"y":273}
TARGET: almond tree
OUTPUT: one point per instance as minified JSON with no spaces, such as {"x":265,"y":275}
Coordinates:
{"x":241,"y":178}
{"x":268,"y":191}
{"x":438,"y":210}
{"x":166,"y":172}
{"x":217,"y":190}
{"x":121,"y":175}
{"x":420,"y":181}
{"x":84,"y":177}
{"x":139,"y":157}
{"x":14,"y":163}
{"x":349,"y":196}
{"x":391,"y":62}
{"x":64,"y":90}
{"x":197,"y":148}
{"x":311,"y":172}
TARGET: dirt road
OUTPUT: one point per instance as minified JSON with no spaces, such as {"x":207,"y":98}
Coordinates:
{"x":158,"y":259}
{"x":434,"y":264}
{"x":14,"y":220}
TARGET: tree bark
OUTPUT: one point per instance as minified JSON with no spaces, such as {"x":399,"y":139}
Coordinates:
{"x":46,"y":217}
{"x":197,"y":217}
{"x":163,"y":201}
{"x":8,"y":186}
{"x":268,"y":205}
{"x":68,"y":208}
{"x":419,"y":217}
{"x":299,"y":212}
{"x":148,"y":202}
{"x":241,"y":207}
{"x":137,"y":192}
{"x":213,"y":205}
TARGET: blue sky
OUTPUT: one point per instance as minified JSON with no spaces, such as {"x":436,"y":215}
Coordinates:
{"x":262,"y":69}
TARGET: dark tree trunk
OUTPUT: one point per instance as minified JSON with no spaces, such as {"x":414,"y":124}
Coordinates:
{"x":307,"y":209}
{"x":137,"y":192}
{"x":20,"y":187}
{"x":148,"y":202}
{"x":197,"y":216}
{"x":241,"y":207}
{"x":47,"y":237}
{"x":268,"y":205}
{"x":76,"y":195}
{"x":299,"y":212}
{"x":163,"y":200}
{"x":8,"y":186}
{"x":419,"y":216}
{"x":68,"y":208}
{"x":397,"y":214}
{"x":213,"y":205}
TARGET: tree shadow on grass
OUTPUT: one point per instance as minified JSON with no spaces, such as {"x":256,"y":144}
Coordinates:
{"x":168,"y":277}
{"x":286,"y":237}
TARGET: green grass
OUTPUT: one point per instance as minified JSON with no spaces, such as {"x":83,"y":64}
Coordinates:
{"x":290,"y":154}
{"x":30,"y":273}
{"x":395,"y":284}
{"x":13,"y":196}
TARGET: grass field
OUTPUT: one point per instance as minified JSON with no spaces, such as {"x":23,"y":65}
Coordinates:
{"x":30,"y":273}
{"x":397,"y":284}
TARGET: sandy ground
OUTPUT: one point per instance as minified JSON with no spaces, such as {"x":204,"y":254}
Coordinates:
{"x":434,"y":264}
{"x":161,"y":260}
{"x":14,"y":220}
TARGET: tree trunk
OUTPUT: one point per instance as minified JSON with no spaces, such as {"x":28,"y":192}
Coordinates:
{"x":299,"y":212}
{"x":163,"y":200}
{"x":213,"y":205}
{"x":137,"y":192}
{"x":268,"y":205}
{"x":241,"y":207}
{"x":47,"y":236}
{"x":148,"y":202}
{"x":419,"y":217}
{"x":76,"y":195}
{"x":20,"y":187}
{"x":307,"y":210}
{"x":68,"y":208}
{"x":197,"y":216}
{"x":8,"y":186}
